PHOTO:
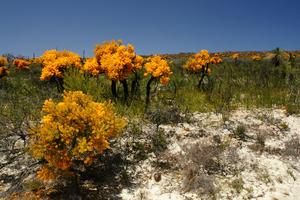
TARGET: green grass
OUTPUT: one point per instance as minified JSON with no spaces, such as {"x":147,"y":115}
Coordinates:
{"x":21,"y":98}
{"x":232,"y":85}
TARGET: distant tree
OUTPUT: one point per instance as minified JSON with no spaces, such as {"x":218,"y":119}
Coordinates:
{"x":199,"y":64}
{"x":55,"y":63}
{"x":158,"y":68}
{"x":117,"y":61}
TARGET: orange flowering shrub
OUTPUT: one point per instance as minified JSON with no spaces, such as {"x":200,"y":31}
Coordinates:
{"x":256,"y":57}
{"x":37,"y":60}
{"x":55,"y":62}
{"x":235,"y":56}
{"x":215,"y":59}
{"x":91,"y":66}
{"x":21,"y":64}
{"x":3,"y":69}
{"x":158,"y":68}
{"x":198,"y":61}
{"x":3,"y":61}
{"x":117,"y":60}
{"x":75,"y":129}
{"x":199,"y":64}
{"x":106,"y":48}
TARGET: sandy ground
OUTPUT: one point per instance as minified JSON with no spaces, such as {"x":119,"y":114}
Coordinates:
{"x":265,"y":176}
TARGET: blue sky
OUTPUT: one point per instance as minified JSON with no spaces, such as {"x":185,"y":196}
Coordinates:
{"x":156,"y":26}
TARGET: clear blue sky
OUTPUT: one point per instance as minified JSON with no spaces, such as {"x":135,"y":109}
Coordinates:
{"x":152,"y":26}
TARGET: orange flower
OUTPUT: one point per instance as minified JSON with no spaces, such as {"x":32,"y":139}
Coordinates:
{"x":200,"y":61}
{"x":3,"y":61}
{"x":3,"y":71}
{"x":235,"y":56}
{"x":158,"y":68}
{"x":54,"y":62}
{"x":75,"y":129}
{"x":117,"y":61}
{"x":21,"y":64}
{"x":256,"y":57}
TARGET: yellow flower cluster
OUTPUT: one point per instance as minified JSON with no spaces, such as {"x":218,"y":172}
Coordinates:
{"x":197,"y":62}
{"x":256,"y":57}
{"x":201,"y":60}
{"x":235,"y":56}
{"x":75,"y":129}
{"x":55,"y":62}
{"x":45,"y":173}
{"x":109,"y":47}
{"x":158,"y":68}
{"x":91,"y":66}
{"x":3,"y":61}
{"x":216,"y":59}
{"x":118,"y":61}
{"x":37,"y":60}
{"x":3,"y":69}
{"x":21,"y":64}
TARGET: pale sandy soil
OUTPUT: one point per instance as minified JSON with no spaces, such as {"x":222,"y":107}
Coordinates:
{"x":265,"y":176}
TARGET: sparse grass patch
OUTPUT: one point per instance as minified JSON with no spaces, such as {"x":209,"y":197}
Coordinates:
{"x":290,"y":172}
{"x":32,"y":185}
{"x":135,"y":127}
{"x":238,"y":185}
{"x":261,"y":139}
{"x":263,"y":175}
{"x":205,"y":156}
{"x":292,"y":147}
{"x":203,"y":161}
{"x":292,"y":109}
{"x":259,"y":145}
{"x":140,"y":149}
{"x":199,"y":182}
{"x":159,"y":141}
{"x":164,"y":114}
{"x":284,"y":126}
{"x":240,"y":132}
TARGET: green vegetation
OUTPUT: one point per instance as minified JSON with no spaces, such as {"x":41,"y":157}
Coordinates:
{"x":273,"y":81}
{"x":245,"y":83}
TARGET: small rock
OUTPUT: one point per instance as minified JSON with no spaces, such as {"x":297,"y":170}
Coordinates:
{"x":157,"y":177}
{"x":19,"y":144}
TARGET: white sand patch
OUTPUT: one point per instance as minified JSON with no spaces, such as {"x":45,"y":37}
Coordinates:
{"x":265,"y":175}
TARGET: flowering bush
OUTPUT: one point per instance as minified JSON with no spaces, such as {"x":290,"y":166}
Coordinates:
{"x":198,"y":61}
{"x":55,"y":62}
{"x":3,"y":69}
{"x":117,"y":61}
{"x":21,"y":64}
{"x":119,"y":65}
{"x":3,"y":61}
{"x":91,"y":66}
{"x":199,"y":64}
{"x":256,"y":57}
{"x":235,"y":56}
{"x":158,"y":68}
{"x":75,"y":129}
{"x":37,"y":60}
